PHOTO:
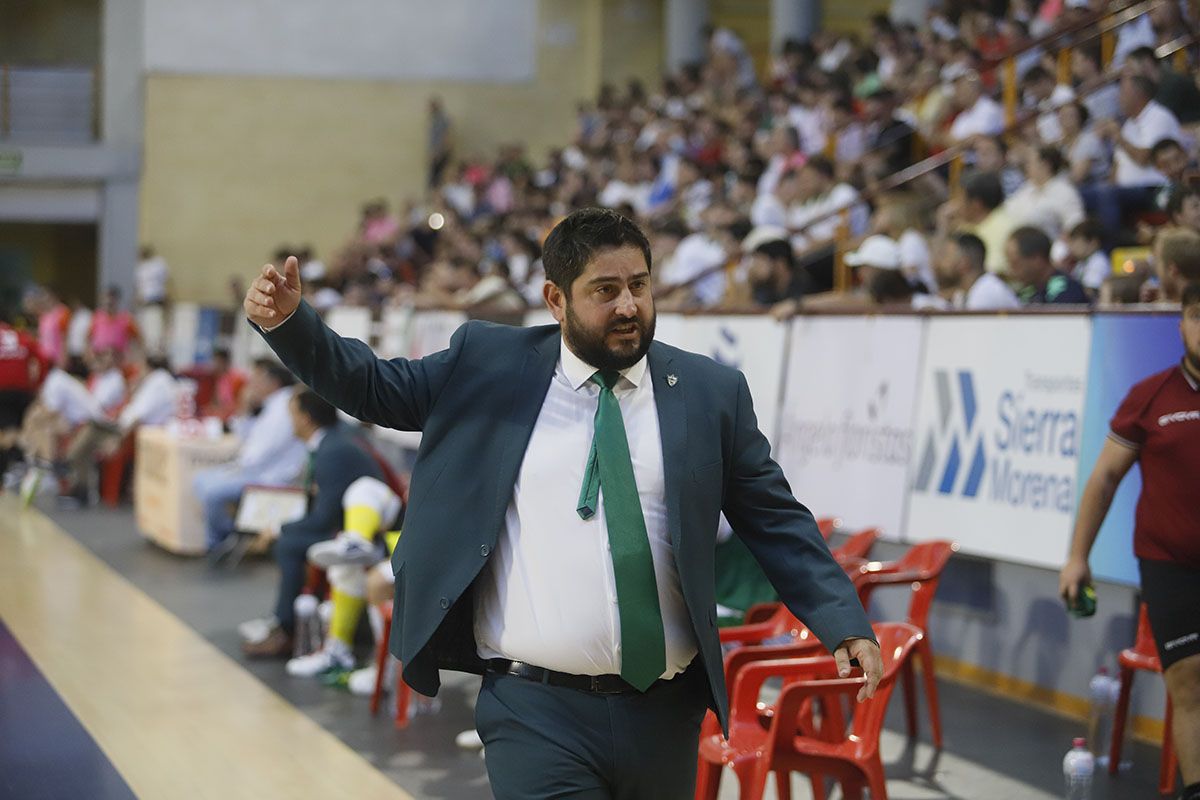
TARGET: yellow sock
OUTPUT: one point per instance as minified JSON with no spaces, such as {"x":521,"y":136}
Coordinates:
{"x":363,"y":520}
{"x":346,"y":611}
{"x":390,"y":538}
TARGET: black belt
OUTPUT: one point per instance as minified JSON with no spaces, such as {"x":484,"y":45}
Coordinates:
{"x":596,"y":684}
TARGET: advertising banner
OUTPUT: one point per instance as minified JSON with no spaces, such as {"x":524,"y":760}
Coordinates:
{"x":1124,"y":351}
{"x":998,"y":434}
{"x":753,"y":345}
{"x":846,"y":424}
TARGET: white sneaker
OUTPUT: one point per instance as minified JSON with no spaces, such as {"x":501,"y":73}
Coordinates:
{"x":346,"y":548}
{"x":257,"y":630}
{"x":334,"y":656}
{"x":469,"y":740}
{"x":362,"y":682}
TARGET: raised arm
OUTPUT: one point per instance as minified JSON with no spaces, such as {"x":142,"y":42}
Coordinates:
{"x":397,"y":394}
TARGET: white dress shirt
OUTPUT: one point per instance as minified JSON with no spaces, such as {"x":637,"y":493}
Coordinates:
{"x":1152,"y":124}
{"x":547,"y":596}
{"x":67,"y":396}
{"x":270,"y":451}
{"x":153,"y":401}
{"x":1054,"y":207}
{"x":985,"y":118}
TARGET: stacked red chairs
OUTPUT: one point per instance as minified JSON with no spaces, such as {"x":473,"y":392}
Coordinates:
{"x":810,"y":731}
{"x":403,"y":692}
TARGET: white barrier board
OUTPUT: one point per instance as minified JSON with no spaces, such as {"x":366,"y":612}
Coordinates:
{"x":846,"y":422}
{"x":999,"y":420}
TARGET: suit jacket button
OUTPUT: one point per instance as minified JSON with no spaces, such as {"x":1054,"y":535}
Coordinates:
{"x":444,"y":603}
{"x":484,"y":550}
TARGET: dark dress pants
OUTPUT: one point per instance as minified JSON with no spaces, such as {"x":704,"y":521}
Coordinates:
{"x":545,"y":741}
{"x":291,"y":553}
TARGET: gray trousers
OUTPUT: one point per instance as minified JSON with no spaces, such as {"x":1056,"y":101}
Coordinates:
{"x":549,"y":742}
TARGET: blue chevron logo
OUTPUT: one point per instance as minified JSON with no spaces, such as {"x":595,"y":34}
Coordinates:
{"x":955,"y":434}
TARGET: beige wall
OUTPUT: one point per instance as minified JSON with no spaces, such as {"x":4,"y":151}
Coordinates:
{"x":235,"y":166}
{"x":633,"y":44}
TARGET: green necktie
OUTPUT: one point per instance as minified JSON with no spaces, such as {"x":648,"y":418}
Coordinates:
{"x":643,"y":646}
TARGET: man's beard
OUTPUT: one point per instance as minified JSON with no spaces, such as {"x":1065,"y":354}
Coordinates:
{"x":1193,"y":360}
{"x":593,"y":349}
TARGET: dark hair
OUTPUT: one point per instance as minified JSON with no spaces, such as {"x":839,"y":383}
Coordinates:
{"x":1031,"y":242}
{"x":1142,"y":53}
{"x":1177,"y":196}
{"x":1052,"y":157}
{"x":973,"y":249}
{"x":778,"y":250}
{"x":76,"y":367}
{"x":984,"y":187}
{"x":821,"y":164}
{"x":1089,"y":229}
{"x":1162,"y":145}
{"x":275,"y":371}
{"x":313,"y":406}
{"x":158,"y":361}
{"x":1191,"y":295}
{"x":890,"y":286}
{"x":577,"y":240}
{"x":1037,"y":73}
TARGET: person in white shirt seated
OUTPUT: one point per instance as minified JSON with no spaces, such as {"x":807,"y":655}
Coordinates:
{"x":1092,"y":264}
{"x":1047,"y":200}
{"x":107,"y":381}
{"x":1135,"y":180}
{"x":270,"y":453}
{"x":980,"y":115}
{"x":63,"y":404}
{"x":963,"y":275}
{"x":152,"y":401}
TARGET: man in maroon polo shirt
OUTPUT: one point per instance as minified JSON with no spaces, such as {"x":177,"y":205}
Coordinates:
{"x":1158,"y":426}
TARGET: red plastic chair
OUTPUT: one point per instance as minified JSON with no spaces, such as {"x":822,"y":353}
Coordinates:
{"x":403,"y":692}
{"x":1143,"y":655}
{"x":827,"y":525}
{"x":857,"y":546}
{"x":112,"y":471}
{"x":921,"y":570}
{"x":797,"y":739}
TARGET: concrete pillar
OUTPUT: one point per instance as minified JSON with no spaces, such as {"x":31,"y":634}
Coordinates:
{"x":685,"y":42}
{"x":122,"y":126}
{"x":793,"y":19}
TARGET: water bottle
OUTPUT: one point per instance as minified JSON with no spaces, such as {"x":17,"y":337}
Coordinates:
{"x":1101,"y":700}
{"x":308,"y":626}
{"x":1078,"y":766}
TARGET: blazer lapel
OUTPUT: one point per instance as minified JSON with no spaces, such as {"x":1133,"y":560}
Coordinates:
{"x":672,"y":428}
{"x":530,"y":384}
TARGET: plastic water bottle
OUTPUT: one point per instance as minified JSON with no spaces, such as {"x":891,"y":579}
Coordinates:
{"x":1102,"y":698}
{"x":308,"y":626}
{"x":1078,"y":767}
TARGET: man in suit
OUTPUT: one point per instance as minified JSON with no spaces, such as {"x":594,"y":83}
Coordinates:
{"x":563,"y":515}
{"x":335,"y":460}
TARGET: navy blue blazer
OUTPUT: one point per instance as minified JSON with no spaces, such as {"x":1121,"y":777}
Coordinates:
{"x":476,"y":403}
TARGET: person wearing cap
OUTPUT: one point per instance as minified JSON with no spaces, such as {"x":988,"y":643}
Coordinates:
{"x":877,"y":263}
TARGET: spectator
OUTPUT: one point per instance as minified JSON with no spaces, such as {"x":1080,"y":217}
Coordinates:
{"x":107,"y":382}
{"x":1048,"y":199}
{"x":1183,"y":209}
{"x":113,"y":327}
{"x":151,"y":278}
{"x":963,"y":276}
{"x":814,"y":218}
{"x":1176,"y":262}
{"x":228,"y":383}
{"x":979,"y":114}
{"x":1147,"y":123}
{"x":990,"y":154}
{"x":888,"y":137}
{"x":22,"y":369}
{"x":1099,"y":95}
{"x":53,"y":319}
{"x":335,"y":461}
{"x":981,"y":212}
{"x":1177,"y":92}
{"x":773,"y":275}
{"x":1046,"y":96}
{"x":1092,"y":265}
{"x":269,"y":454}
{"x":897,"y":215}
{"x":79,"y":330}
{"x":151,"y":402}
{"x":1170,"y":159}
{"x":1028,"y":254}
{"x":1086,"y":153}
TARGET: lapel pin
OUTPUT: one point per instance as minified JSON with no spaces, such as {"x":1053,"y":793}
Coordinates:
{"x":672,"y":380}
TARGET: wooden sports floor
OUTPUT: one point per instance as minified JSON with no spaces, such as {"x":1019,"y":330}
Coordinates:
{"x":119,"y":678}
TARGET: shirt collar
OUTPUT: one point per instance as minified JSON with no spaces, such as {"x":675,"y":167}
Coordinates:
{"x":1187,"y":376}
{"x":579,"y":372}
{"x":315,"y":440}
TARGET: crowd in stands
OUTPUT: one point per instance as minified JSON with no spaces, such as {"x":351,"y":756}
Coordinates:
{"x":752,"y":192}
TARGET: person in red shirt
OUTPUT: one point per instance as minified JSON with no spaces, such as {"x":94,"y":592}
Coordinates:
{"x":22,"y":368}
{"x":1158,"y":426}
